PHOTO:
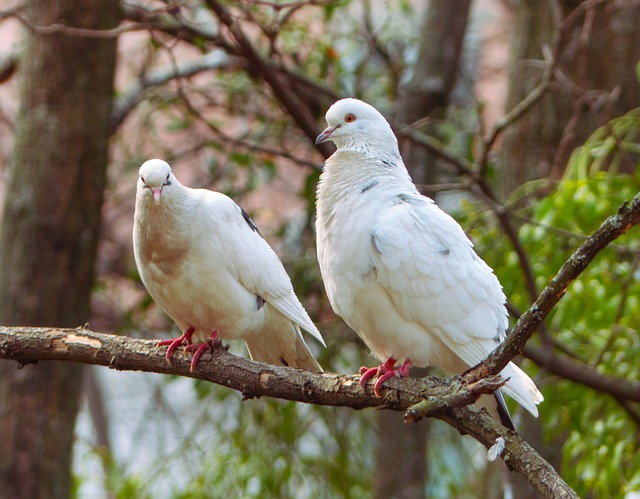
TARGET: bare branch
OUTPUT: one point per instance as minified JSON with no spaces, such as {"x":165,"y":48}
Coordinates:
{"x":627,"y":217}
{"x":552,"y":56}
{"x":62,"y":28}
{"x":125,"y":103}
{"x":243,"y":143}
{"x":290,"y":100}
{"x":255,"y":379}
{"x":582,"y":373}
{"x":433,"y":405}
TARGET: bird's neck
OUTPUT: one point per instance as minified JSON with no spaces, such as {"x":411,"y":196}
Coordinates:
{"x":348,"y":174}
{"x":171,"y":215}
{"x":347,"y":168}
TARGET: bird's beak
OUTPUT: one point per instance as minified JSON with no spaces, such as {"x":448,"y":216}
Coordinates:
{"x":156,"y":191}
{"x":326,"y":134}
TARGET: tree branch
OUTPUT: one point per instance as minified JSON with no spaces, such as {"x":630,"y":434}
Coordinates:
{"x":582,"y":373}
{"x":628,"y":216}
{"x":254,"y":379}
{"x":289,"y":99}
{"x":552,"y":57}
{"x":125,"y":103}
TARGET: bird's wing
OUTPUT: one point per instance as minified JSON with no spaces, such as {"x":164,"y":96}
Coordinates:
{"x":428,"y":268}
{"x":252,"y":261}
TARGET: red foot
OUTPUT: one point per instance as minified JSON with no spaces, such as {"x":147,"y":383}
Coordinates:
{"x":384,"y":372}
{"x":176,"y":342}
{"x":200,"y":347}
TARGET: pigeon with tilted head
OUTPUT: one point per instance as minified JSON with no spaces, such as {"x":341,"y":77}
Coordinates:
{"x":399,"y":270}
{"x":203,"y":260}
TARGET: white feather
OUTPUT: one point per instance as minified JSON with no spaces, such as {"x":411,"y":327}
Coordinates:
{"x":203,"y":261}
{"x":396,"y":268}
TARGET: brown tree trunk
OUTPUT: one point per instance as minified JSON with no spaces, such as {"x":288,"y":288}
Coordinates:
{"x":49,"y":235}
{"x":595,"y":81}
{"x":434,"y":77}
{"x":401,"y":467}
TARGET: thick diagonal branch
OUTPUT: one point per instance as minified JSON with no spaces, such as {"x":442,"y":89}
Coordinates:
{"x":616,"y":225}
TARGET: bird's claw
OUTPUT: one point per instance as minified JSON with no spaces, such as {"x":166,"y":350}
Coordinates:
{"x":384,"y":372}
{"x":211,"y":343}
{"x":176,"y":342}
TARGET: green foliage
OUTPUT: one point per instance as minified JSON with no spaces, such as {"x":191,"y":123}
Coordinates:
{"x":598,"y":320}
{"x":273,"y":449}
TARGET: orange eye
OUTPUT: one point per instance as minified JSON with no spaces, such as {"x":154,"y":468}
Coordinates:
{"x":349,"y":118}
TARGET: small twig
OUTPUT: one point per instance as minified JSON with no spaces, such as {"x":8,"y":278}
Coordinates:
{"x":552,"y":56}
{"x":125,"y":103}
{"x":467,"y":394}
{"x":243,"y":143}
{"x":261,"y":68}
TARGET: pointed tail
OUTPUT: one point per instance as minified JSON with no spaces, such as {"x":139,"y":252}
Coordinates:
{"x":521,"y":388}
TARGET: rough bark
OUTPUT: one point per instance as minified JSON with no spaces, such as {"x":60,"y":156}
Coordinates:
{"x":447,"y":398}
{"x":594,"y":81}
{"x":49,"y":235}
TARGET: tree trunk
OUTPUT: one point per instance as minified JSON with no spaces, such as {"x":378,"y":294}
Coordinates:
{"x":599,"y":51}
{"x":401,"y":467}
{"x":49,"y":235}
{"x":434,"y":78}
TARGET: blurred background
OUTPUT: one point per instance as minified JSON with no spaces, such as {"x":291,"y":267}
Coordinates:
{"x":519,"y":117}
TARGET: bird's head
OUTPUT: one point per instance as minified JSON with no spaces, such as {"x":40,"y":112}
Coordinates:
{"x":155,"y":175}
{"x":357,"y":125}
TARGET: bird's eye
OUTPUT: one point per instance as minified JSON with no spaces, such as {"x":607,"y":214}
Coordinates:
{"x":349,"y":118}
{"x":142,"y":178}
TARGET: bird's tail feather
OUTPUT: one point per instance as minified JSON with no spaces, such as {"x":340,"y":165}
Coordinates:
{"x":503,"y":412}
{"x":280,"y":350}
{"x":495,"y":405}
{"x":521,"y":388}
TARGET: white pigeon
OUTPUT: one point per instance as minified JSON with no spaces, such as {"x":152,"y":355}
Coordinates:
{"x":400,"y":271}
{"x":204,"y":262}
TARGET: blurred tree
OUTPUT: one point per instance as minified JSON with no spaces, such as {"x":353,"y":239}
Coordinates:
{"x":588,"y":51}
{"x":594,"y":80}
{"x":49,"y":235}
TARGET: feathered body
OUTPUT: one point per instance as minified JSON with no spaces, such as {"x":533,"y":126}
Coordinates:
{"x":396,"y":268}
{"x":204,"y":262}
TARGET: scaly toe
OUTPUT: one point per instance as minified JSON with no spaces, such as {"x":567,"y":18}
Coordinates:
{"x":381,"y":380}
{"x":367,"y":373}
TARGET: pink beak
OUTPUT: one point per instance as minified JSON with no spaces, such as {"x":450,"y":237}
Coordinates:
{"x":326,"y":134}
{"x":156,"y":191}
